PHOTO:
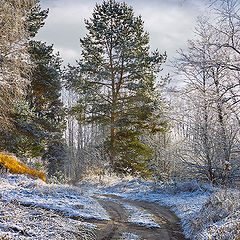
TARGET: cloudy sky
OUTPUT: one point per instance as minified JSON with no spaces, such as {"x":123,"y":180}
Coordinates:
{"x":169,"y":22}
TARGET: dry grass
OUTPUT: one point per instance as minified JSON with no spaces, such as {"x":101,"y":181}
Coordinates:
{"x":14,"y":165}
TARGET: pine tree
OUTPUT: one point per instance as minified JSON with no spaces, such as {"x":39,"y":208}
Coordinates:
{"x":44,"y":90}
{"x":36,"y":19}
{"x":38,"y":117}
{"x":44,"y":95}
{"x":116,"y":82}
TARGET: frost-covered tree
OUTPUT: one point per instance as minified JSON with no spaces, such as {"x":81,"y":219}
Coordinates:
{"x":227,"y":28}
{"x":37,"y":115}
{"x":115,"y":80}
{"x":14,"y":58}
{"x":211,"y":111}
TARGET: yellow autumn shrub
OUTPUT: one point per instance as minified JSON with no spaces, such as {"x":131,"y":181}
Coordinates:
{"x":14,"y":165}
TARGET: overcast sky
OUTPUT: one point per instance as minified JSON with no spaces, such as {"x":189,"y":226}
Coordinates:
{"x":169,"y":22}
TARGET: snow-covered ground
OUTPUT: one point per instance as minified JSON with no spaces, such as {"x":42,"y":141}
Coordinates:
{"x":66,"y":199}
{"x":19,"y":222}
{"x":32,"y":209}
{"x":28,"y":210}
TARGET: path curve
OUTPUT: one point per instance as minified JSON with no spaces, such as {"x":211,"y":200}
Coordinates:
{"x":170,"y":228}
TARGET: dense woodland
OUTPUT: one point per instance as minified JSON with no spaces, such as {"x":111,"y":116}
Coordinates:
{"x":114,"y":111}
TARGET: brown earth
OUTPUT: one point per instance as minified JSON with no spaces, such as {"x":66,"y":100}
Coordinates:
{"x":170,"y":228}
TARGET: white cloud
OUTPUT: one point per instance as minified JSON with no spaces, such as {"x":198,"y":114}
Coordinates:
{"x":169,"y":23}
{"x":68,"y":54}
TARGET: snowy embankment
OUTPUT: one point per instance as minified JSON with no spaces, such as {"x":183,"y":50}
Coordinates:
{"x":206,"y":212}
{"x":32,"y":209}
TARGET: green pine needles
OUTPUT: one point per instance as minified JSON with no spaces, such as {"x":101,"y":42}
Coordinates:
{"x":116,"y":83}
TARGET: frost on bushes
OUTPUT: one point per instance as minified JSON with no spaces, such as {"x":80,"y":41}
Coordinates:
{"x":190,"y":186}
{"x":218,"y":219}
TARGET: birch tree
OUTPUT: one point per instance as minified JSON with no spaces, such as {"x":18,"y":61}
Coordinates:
{"x":212,"y":122}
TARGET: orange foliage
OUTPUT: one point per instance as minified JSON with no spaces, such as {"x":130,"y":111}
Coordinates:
{"x":16,"y":166}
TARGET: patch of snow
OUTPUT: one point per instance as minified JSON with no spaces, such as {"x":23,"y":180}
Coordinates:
{"x":140,"y":216}
{"x":128,"y":236}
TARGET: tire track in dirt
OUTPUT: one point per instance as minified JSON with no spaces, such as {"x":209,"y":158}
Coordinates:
{"x":170,"y":228}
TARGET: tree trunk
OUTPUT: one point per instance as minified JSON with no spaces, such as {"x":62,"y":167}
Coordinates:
{"x":220,"y":115}
{"x":112,"y":155}
{"x":112,"y":140}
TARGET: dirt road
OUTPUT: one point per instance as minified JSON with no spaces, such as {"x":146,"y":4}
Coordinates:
{"x":169,"y":224}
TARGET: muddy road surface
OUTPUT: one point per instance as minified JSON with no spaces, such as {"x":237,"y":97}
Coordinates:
{"x":119,"y":227}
